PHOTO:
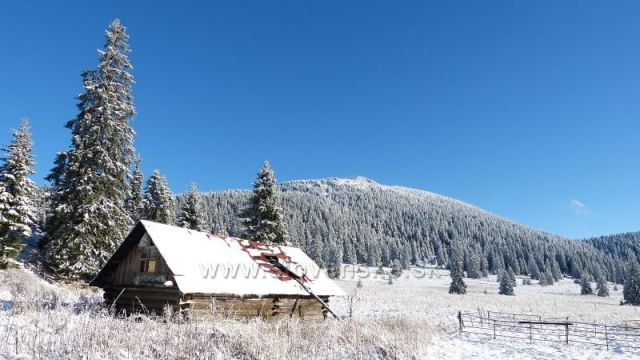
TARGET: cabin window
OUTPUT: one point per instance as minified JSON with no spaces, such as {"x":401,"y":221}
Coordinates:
{"x":148,"y":266}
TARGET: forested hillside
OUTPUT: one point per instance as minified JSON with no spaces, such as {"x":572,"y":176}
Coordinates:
{"x":365,"y":222}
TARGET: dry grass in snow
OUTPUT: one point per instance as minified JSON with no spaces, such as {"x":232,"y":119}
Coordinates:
{"x":50,"y":322}
{"x":414,"y":317}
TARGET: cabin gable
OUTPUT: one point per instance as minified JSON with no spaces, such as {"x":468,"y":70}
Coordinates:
{"x":143,"y":266}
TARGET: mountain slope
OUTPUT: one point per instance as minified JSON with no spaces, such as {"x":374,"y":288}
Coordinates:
{"x":375,"y":224}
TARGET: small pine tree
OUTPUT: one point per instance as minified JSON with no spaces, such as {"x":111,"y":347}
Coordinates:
{"x":585,"y":286}
{"x":631,"y":290}
{"x":396,"y":268}
{"x":484,"y":266}
{"x":512,"y":277}
{"x":546,"y":279}
{"x":457,"y":285}
{"x":506,"y":287}
{"x":533,"y":269}
{"x":316,"y":248}
{"x":159,"y":205}
{"x":16,"y":192}
{"x":262,"y":217}
{"x":334,"y":269}
{"x":191,"y":211}
{"x":601,"y":287}
{"x":473,"y":268}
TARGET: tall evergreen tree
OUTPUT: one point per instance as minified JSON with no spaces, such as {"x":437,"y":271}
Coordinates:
{"x":631,"y":290}
{"x":90,"y":179}
{"x":16,"y":192}
{"x":136,"y":199}
{"x":262,"y":217}
{"x":456,"y":265}
{"x":191,"y":211}
{"x":159,"y":205}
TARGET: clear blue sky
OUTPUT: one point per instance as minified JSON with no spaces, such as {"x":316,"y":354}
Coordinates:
{"x":529,"y":109}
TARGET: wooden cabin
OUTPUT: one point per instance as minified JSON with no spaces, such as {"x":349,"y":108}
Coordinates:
{"x":204,"y":275}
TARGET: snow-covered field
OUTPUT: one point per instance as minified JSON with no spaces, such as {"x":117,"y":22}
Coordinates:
{"x":423,"y":294}
{"x":414,"y":317}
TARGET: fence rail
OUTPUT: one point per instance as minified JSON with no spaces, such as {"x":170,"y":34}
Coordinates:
{"x":535,"y":328}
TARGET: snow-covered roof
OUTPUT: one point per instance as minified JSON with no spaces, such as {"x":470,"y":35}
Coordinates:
{"x":203,"y":263}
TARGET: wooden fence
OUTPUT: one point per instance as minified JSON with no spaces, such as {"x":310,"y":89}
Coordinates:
{"x":535,"y":328}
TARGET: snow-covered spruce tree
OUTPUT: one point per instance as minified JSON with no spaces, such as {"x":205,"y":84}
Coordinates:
{"x":396,"y":268}
{"x":159,"y":205}
{"x":191,"y":211}
{"x":262,"y":218}
{"x":88,"y":214}
{"x":135,"y":200}
{"x":334,"y":270}
{"x":512,"y":277}
{"x":473,"y":267}
{"x":533,"y":269}
{"x":506,"y":286}
{"x":585,"y":286}
{"x":16,"y":192}
{"x":631,"y":290}
{"x":316,"y":248}
{"x":602,"y":289}
{"x":456,"y":264}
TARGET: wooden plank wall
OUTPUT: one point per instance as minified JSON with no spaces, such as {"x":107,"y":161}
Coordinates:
{"x":128,"y":271}
{"x":205,"y":307}
{"x":142,"y":299}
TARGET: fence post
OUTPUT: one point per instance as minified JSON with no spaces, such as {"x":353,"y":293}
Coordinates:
{"x":530,"y":334}
{"x":606,"y":337}
{"x":494,"y":329}
{"x":566,"y":332}
{"x":460,"y":320}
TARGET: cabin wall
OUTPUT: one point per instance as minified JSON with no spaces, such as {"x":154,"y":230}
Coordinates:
{"x":142,"y":299}
{"x":128,"y":271}
{"x":202,"y":307}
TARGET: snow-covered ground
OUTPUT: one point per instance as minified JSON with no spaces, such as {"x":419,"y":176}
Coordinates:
{"x":414,"y":317}
{"x":423,"y":294}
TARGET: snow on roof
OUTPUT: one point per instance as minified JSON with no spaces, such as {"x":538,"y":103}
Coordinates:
{"x":207,"y":264}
